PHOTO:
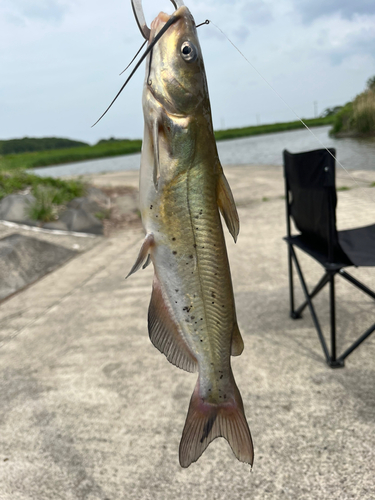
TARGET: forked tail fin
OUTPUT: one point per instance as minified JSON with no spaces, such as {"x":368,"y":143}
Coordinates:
{"x":205,"y":422}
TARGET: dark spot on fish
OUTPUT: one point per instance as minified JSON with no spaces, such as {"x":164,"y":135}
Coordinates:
{"x":176,"y":290}
{"x":202,"y":247}
{"x":197,"y":228}
{"x":201,"y":340}
{"x":201,"y":319}
{"x":186,"y":308}
{"x":223,"y":306}
{"x":174,"y":252}
{"x":173,"y":239}
{"x":175,"y":302}
{"x":212,"y":302}
{"x":193,"y":317}
{"x":213,"y":295}
{"x":150,"y":207}
{"x":197,"y":216}
{"x":207,"y":428}
{"x":191,"y":256}
{"x":195,"y":245}
{"x":221,"y":376}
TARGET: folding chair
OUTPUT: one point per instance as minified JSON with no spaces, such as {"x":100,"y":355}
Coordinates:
{"x":311,"y":200}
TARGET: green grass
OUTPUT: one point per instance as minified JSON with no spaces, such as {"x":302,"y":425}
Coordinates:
{"x":18,"y":180}
{"x":343,"y":188}
{"x":49,"y":193}
{"x":357,"y":118}
{"x":273,"y":127}
{"x":58,"y":156}
{"x":43,"y":208}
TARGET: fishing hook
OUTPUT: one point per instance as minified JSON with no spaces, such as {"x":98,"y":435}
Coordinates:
{"x":140,"y":17}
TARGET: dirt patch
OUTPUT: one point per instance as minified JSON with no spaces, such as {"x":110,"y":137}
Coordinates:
{"x":117,"y":218}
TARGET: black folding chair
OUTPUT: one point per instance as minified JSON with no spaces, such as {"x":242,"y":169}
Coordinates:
{"x":311,"y":200}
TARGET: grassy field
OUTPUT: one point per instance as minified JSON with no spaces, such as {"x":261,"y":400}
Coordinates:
{"x":117,"y":148}
{"x":234,"y":133}
{"x":57,"y":156}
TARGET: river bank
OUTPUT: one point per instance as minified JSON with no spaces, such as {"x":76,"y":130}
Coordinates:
{"x":113,"y":148}
{"x":256,"y":150}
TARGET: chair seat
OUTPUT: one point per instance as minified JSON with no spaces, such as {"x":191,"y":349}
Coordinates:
{"x":318,"y":253}
{"x":359,"y":245}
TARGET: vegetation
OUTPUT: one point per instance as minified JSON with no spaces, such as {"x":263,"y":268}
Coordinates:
{"x":357,"y":117}
{"x":49,"y":193}
{"x":273,"y":127}
{"x":19,"y":180}
{"x":27,"y":144}
{"x":58,"y":156}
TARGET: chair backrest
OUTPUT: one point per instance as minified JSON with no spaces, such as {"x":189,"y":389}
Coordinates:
{"x":312,"y":200}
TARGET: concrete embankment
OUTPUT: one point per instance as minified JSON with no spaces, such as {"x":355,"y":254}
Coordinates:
{"x":89,"y":409}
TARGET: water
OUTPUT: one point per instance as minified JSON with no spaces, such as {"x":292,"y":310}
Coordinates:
{"x":354,"y":154}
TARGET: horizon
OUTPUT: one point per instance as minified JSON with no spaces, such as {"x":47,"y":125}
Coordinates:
{"x":61,"y":60}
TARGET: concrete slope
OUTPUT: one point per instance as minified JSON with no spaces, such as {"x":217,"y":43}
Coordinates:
{"x":24,"y":259}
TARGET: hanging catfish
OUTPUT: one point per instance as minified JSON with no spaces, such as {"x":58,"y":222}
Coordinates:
{"x":192,"y":317}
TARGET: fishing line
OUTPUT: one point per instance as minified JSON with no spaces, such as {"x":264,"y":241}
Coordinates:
{"x":286,"y":104}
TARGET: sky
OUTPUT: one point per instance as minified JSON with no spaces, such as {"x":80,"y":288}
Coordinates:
{"x":60,"y":62}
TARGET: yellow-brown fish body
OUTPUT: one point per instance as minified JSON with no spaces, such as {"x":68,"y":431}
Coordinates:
{"x":192,"y":317}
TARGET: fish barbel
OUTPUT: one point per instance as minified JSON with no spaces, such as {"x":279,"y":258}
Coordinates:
{"x":192,"y":317}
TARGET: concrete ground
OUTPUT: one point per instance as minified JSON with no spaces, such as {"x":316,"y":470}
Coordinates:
{"x":90,"y":410}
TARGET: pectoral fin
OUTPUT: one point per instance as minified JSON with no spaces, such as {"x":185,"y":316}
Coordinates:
{"x":227,"y":206}
{"x":164,"y":333}
{"x":237,"y":342}
{"x":143,"y":254}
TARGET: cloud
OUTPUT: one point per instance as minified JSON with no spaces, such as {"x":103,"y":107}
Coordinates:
{"x":41,"y":10}
{"x":348,"y":9}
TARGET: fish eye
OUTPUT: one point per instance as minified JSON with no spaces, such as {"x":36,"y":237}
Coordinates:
{"x":189,"y":52}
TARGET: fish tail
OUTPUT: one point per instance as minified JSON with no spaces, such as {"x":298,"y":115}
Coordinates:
{"x":206,"y":421}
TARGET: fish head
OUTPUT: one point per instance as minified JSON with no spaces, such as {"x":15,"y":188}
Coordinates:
{"x":175,"y":75}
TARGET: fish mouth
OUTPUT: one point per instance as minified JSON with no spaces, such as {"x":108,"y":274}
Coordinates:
{"x":159,"y":22}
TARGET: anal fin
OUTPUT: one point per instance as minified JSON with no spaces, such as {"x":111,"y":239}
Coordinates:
{"x":164,"y":332}
{"x":237,"y":342}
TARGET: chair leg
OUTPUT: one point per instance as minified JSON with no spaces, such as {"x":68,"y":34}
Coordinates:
{"x":291,"y":285}
{"x":311,"y":307}
{"x":333,"y":362}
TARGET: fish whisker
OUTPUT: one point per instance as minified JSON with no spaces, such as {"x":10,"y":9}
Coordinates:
{"x":131,"y":62}
{"x":171,"y":20}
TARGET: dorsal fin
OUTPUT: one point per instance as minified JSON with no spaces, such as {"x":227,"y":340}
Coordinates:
{"x":165,"y":334}
{"x":227,"y":205}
